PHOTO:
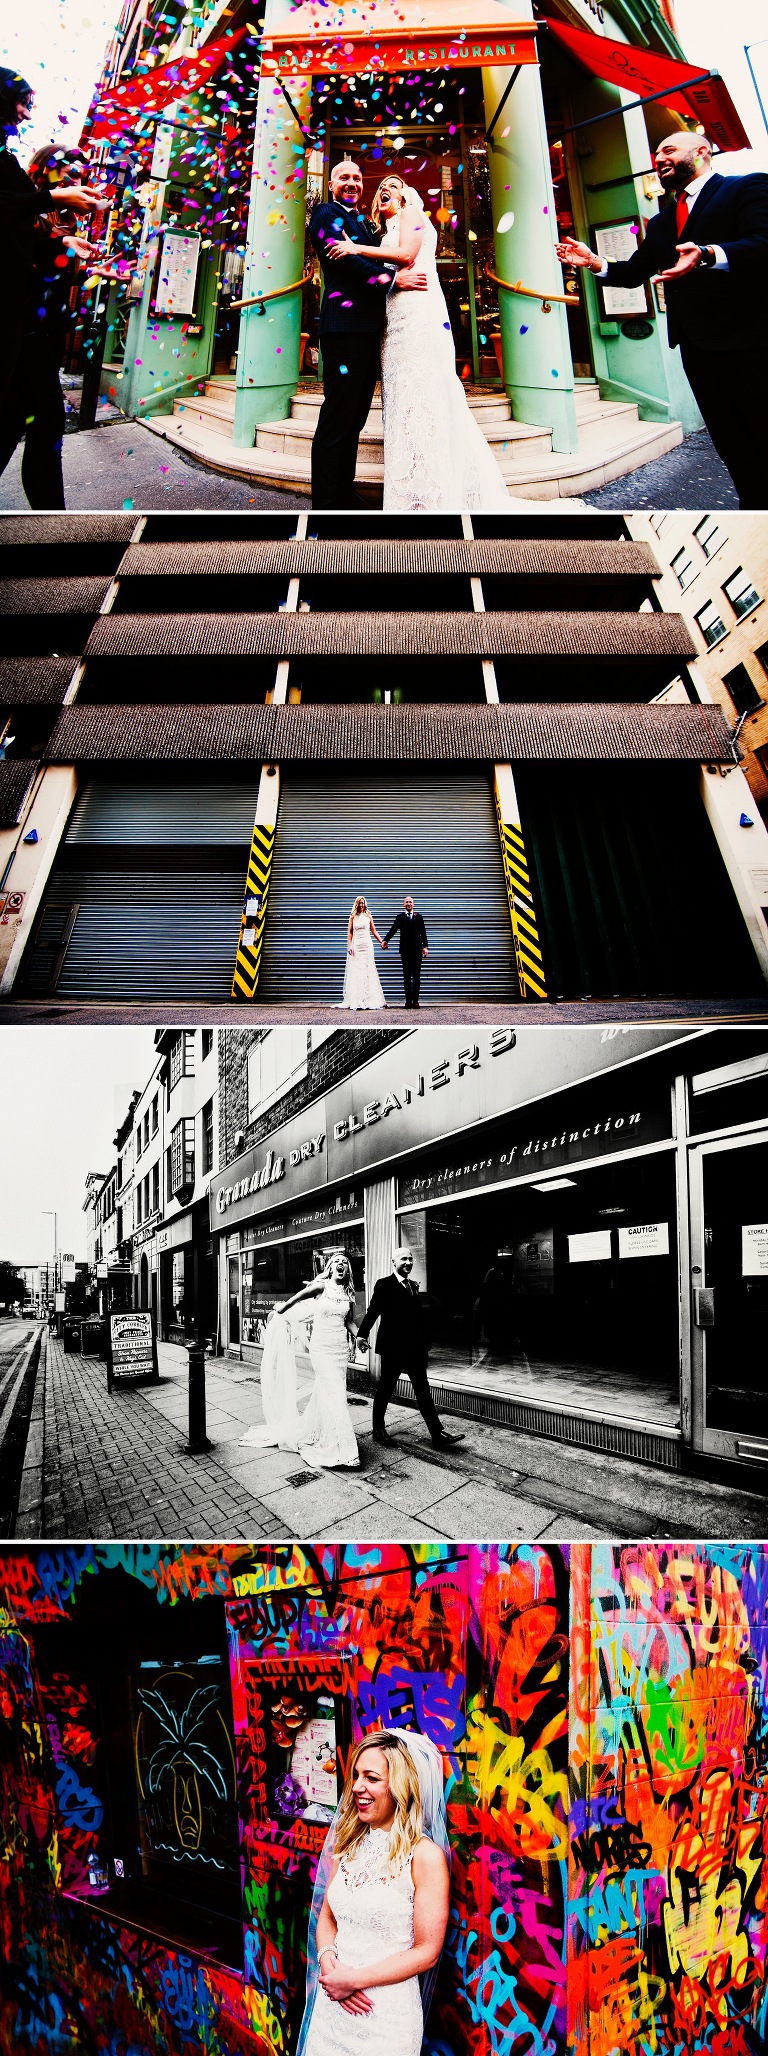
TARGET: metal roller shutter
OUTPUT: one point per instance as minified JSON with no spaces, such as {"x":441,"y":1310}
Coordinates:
{"x":435,"y":836}
{"x":159,"y":922}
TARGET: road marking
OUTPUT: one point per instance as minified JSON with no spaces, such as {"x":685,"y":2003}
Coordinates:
{"x":23,"y":1359}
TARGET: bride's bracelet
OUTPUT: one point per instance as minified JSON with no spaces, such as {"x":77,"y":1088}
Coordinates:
{"x":330,"y":1949}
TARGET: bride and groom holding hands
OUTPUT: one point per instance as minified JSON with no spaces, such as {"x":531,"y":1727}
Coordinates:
{"x":362,"y":984}
{"x":383,"y":315}
{"x":323,"y":1432}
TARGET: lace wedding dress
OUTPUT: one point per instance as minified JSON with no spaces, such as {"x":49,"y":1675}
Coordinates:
{"x":373,"y":1910}
{"x":323,"y":1433}
{"x":362,"y":984}
{"x":435,"y":454}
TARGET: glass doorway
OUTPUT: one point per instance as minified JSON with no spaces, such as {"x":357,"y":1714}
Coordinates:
{"x":449,"y":168}
{"x":729,"y":1274}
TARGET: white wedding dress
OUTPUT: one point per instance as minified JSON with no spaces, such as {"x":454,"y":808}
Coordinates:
{"x":322,"y":1433}
{"x":435,"y":453}
{"x":362,"y":984}
{"x":373,"y":1910}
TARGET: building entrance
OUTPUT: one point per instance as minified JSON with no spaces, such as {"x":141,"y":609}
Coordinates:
{"x":564,"y":1292}
{"x":729,"y":1276}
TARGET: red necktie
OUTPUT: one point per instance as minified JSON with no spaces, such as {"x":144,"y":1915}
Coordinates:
{"x":682,"y":211}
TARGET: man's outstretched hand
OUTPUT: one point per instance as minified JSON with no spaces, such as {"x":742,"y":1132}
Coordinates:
{"x":571,"y":252}
{"x":410,"y":281}
{"x":688,"y":259}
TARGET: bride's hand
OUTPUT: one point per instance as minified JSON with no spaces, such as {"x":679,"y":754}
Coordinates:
{"x":341,"y":1982}
{"x":341,"y":246}
{"x":358,"y":2002}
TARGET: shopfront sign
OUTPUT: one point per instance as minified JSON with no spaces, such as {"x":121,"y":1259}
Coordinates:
{"x":754,"y":1249}
{"x":648,"y":1239}
{"x":176,"y":1234}
{"x":615,"y":1128}
{"x":132,"y":1348}
{"x":68,"y":1269}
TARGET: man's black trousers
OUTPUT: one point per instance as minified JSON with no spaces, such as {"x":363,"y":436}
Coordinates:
{"x":411,"y":979}
{"x":393,"y":1368}
{"x":730,"y":386}
{"x":351,"y":366}
{"x":32,"y":408}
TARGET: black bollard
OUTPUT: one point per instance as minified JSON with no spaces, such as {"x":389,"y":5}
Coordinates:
{"x":198,"y":1439}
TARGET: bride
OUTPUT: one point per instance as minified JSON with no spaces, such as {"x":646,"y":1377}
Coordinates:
{"x":435,"y":453}
{"x":362,"y":984}
{"x":323,"y":1433}
{"x":380,"y":1907}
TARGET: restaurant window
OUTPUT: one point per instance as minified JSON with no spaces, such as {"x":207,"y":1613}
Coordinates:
{"x":182,"y":1156}
{"x":208,"y":1136}
{"x":744,"y":694}
{"x":684,"y":569}
{"x":710,"y":535}
{"x":711,"y":623}
{"x":743,"y":595}
{"x":277,"y":1061}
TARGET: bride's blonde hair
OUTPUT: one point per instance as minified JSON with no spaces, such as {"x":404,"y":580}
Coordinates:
{"x":407,"y":1827}
{"x":395,"y":180}
{"x":360,"y":907}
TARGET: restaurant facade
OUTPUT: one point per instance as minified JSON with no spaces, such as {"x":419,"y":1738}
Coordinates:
{"x":585,"y":1215}
{"x":513,"y":131}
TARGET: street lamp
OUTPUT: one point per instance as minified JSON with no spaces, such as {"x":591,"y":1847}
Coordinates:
{"x":50,"y":1211}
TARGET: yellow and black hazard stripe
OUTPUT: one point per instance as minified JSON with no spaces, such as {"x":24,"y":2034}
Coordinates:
{"x":248,"y":959}
{"x":522,"y":911}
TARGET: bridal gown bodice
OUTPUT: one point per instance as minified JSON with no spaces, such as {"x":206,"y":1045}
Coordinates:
{"x":435,"y":453}
{"x":362,"y":984}
{"x":322,"y":1430}
{"x":373,"y":1910}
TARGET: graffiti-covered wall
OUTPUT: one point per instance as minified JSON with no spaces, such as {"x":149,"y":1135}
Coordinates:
{"x":175,"y":1722}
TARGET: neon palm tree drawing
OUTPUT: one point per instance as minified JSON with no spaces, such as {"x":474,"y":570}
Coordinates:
{"x":182,"y":1764}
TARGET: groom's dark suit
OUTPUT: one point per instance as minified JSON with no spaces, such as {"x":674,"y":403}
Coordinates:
{"x":719,"y":318}
{"x":403,"y":1346}
{"x":413,"y":940}
{"x":352,"y":316}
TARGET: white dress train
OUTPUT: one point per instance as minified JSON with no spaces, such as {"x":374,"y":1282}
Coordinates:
{"x":435,"y":453}
{"x":362,"y":984}
{"x":322,"y":1433}
{"x":373,"y":1910}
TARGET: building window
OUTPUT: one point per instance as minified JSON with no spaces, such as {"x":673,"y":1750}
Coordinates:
{"x":684,"y":568}
{"x":711,"y":623}
{"x":155,"y":1113}
{"x":182,"y":1058}
{"x":182,"y":1155}
{"x":762,"y":656}
{"x":146,"y":1196}
{"x":155,"y":1188}
{"x":744,"y":694}
{"x":208,"y":1136}
{"x":206,"y":1042}
{"x":138,"y":1142}
{"x":275,"y":1062}
{"x":659,"y":521}
{"x":710,"y":535}
{"x":741,"y":592}
{"x":138,"y":1204}
{"x":168,"y":1176}
{"x":146,"y":1129}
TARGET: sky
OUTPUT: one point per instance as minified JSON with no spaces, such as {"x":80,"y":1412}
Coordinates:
{"x":58,"y":46}
{"x":65,"y":1090}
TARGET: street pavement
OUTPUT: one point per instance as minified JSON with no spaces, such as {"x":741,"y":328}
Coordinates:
{"x":102,"y":1466}
{"x":123,"y":465}
{"x":18,"y":1363}
{"x":693,"y":1013}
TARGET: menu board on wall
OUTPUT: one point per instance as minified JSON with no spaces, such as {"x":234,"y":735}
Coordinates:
{"x":178,"y":274}
{"x":754,"y":1249}
{"x":132,"y":1348}
{"x":651,"y":1238}
{"x":591,"y":1248}
{"x":617,"y":241}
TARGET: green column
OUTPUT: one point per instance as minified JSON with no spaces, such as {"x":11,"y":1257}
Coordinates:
{"x":268,"y":348}
{"x":535,"y":347}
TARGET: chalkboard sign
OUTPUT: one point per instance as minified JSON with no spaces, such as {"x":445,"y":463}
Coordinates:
{"x":132,"y":1348}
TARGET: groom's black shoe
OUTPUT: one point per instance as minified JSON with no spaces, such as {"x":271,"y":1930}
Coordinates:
{"x":387,"y":1441}
{"x":444,"y":1440}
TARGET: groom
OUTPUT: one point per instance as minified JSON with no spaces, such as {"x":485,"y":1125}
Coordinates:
{"x":413,"y":948}
{"x":352,"y":316}
{"x":403,"y":1347}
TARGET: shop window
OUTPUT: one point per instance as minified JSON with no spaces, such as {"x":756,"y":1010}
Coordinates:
{"x":208,"y":1136}
{"x":277,"y":1061}
{"x":709,"y":535}
{"x":684,"y":569}
{"x":744,"y":694}
{"x":743,"y":595}
{"x":151,"y":1701}
{"x":182,"y":1155}
{"x":206,"y":1043}
{"x":711,"y":623}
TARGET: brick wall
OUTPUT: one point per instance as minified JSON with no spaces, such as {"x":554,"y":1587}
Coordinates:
{"x":336,"y":1058}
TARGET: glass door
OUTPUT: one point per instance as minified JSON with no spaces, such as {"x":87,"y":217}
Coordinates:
{"x":729,"y":1281}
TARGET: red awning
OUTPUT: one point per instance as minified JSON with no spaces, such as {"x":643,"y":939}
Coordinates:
{"x":422,"y":35}
{"x":651,"y":73}
{"x":148,"y":92}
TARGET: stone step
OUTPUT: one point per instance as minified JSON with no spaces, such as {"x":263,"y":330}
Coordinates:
{"x":513,"y":440}
{"x":546,"y":475}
